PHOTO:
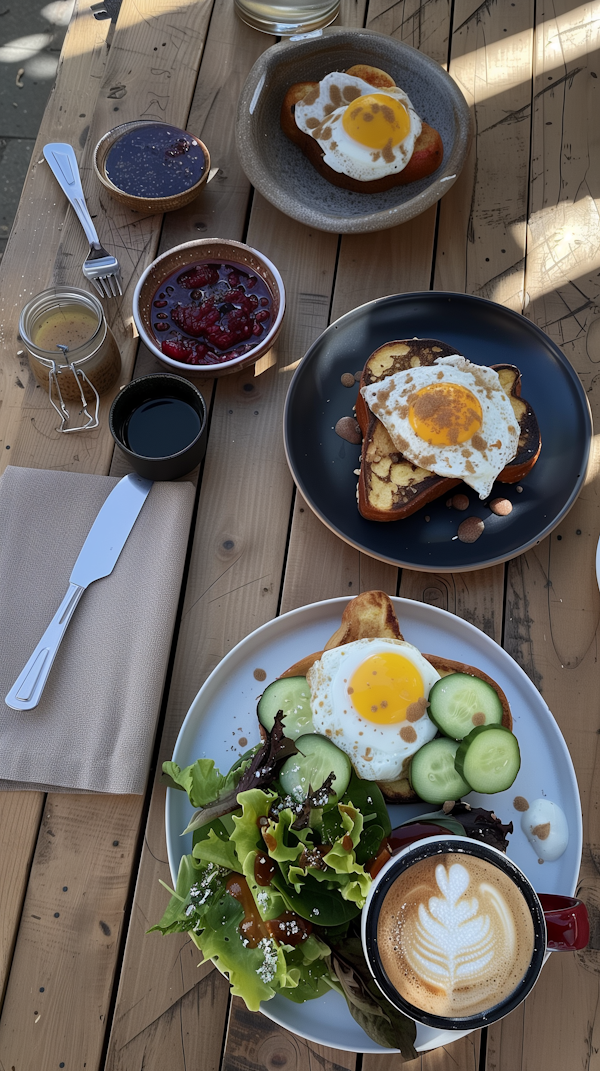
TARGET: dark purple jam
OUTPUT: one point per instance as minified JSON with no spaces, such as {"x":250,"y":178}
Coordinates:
{"x":156,"y":160}
{"x":211,"y":312}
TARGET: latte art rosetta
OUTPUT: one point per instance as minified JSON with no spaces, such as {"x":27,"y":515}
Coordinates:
{"x":455,"y":937}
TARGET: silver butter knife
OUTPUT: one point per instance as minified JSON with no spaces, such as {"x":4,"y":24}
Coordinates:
{"x":97,"y":558}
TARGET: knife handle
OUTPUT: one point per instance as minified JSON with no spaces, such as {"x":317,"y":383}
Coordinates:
{"x":26,"y":692}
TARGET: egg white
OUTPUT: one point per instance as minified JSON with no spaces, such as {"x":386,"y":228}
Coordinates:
{"x":378,"y":752}
{"x":342,"y":153}
{"x":499,"y":432}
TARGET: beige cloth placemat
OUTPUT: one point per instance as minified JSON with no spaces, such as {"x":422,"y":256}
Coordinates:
{"x":94,"y":727}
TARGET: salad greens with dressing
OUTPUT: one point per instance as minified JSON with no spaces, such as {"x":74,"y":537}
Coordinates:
{"x":285,"y":847}
{"x":276,"y":881}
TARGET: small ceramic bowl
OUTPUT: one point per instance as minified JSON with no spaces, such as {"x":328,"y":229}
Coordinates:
{"x":281,"y":172}
{"x":142,"y":202}
{"x":165,"y":407}
{"x":211,"y":250}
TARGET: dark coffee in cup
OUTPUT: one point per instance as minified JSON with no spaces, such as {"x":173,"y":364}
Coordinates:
{"x":455,"y":935}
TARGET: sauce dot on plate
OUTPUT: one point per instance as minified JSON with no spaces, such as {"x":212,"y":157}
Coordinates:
{"x":347,"y":428}
{"x":470,"y":529}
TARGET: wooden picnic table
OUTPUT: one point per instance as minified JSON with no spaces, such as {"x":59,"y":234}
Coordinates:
{"x":88,"y":989}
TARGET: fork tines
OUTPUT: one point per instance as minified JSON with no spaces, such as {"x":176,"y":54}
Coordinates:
{"x":108,"y":285}
{"x":105,"y":274}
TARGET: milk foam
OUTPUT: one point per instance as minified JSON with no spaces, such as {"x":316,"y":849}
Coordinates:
{"x":455,"y":937}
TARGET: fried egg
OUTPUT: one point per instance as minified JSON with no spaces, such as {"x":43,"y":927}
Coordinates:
{"x":451,"y":417}
{"x":370,"y":698}
{"x":365,"y":133}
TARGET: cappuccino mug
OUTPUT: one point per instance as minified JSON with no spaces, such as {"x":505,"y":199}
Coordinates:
{"x":455,"y":935}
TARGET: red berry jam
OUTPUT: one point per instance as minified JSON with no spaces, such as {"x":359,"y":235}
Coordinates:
{"x":210,"y":313}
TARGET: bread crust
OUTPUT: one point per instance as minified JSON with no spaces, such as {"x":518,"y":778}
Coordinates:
{"x":426,"y":158}
{"x":390,"y":487}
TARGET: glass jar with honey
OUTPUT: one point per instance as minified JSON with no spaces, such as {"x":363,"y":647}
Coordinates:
{"x":72,"y":350}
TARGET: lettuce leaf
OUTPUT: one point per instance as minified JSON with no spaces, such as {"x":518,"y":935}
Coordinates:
{"x":203,"y":781}
{"x":198,"y":883}
{"x":214,"y":850}
{"x":255,"y":974}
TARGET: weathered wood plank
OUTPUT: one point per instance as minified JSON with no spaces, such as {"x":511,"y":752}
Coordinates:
{"x":188,"y":1034}
{"x":254,"y":1043}
{"x":20,"y":814}
{"x":461,"y":1055}
{"x":552,"y":601}
{"x":71,"y":103}
{"x":60,"y":985}
{"x":482,"y":233}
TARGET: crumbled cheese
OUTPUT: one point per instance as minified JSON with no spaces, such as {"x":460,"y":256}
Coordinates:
{"x":262,"y":899}
{"x":268,"y":969}
{"x":201,"y":891}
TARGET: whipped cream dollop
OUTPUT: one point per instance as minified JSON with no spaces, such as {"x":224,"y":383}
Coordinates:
{"x":545,"y":826}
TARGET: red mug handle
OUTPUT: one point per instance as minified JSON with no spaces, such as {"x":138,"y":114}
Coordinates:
{"x":567,"y":922}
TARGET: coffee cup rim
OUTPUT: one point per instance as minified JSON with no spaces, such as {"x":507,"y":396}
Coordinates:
{"x":424,"y":849}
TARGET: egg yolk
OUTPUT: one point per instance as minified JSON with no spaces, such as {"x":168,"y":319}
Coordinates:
{"x":383,"y":687}
{"x":444,"y":414}
{"x":376,"y":121}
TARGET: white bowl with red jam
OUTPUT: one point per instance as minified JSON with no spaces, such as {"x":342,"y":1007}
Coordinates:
{"x":212,"y":306}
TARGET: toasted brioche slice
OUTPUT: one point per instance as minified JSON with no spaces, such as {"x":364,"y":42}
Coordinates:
{"x":390,"y":487}
{"x":426,"y":158}
{"x":370,"y":615}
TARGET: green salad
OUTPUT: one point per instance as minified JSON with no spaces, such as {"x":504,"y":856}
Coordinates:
{"x":276,"y":881}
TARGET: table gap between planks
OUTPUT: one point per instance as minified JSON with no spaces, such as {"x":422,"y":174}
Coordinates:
{"x":518,"y":227}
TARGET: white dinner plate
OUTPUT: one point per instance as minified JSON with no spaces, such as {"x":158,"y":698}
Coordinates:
{"x":221,"y":724}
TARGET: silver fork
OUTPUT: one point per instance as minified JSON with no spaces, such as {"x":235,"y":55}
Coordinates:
{"x":102,"y":269}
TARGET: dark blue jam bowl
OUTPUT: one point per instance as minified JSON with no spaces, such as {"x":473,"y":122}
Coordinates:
{"x":153,"y":413}
{"x":152,"y":166}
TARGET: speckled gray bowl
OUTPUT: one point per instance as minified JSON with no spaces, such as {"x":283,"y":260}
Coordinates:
{"x":280,"y":171}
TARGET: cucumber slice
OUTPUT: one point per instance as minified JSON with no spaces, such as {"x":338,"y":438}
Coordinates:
{"x":459,"y":702}
{"x":317,"y":757}
{"x":292,"y":696}
{"x":489,"y":758}
{"x":433,"y":774}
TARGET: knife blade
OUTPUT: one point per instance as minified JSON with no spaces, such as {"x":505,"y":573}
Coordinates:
{"x":97,"y":559}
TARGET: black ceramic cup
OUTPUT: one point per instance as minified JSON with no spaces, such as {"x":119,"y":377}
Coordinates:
{"x":160,"y":423}
{"x":443,"y":913}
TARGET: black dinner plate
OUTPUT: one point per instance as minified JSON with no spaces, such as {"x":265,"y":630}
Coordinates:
{"x":323,"y":465}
